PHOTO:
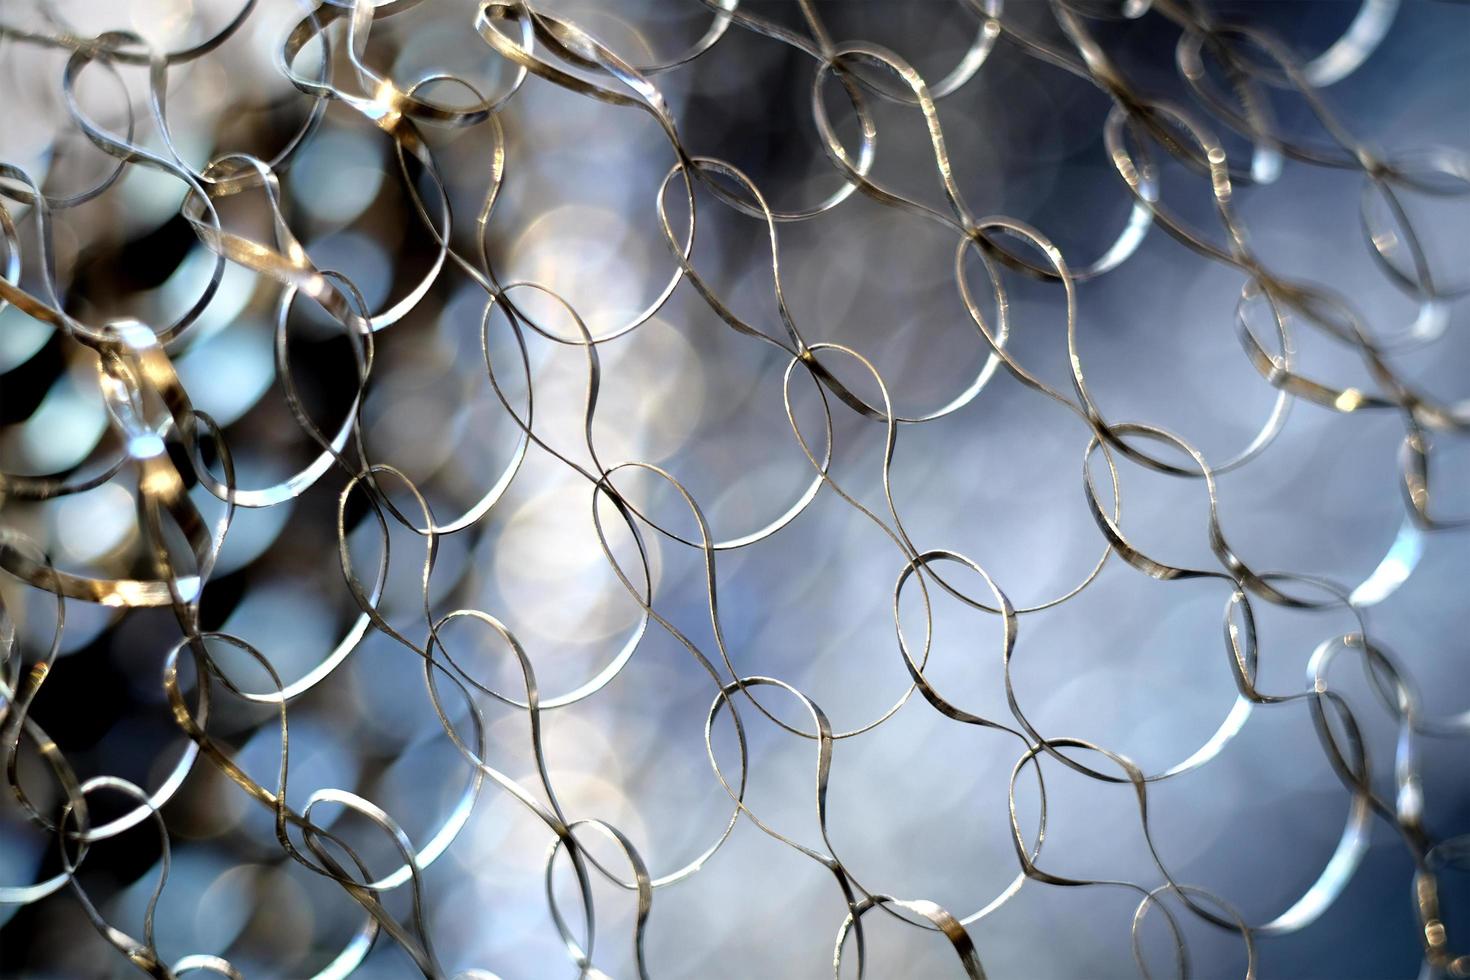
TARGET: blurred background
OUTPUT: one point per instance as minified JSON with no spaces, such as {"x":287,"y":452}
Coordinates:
{"x":918,"y":804}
